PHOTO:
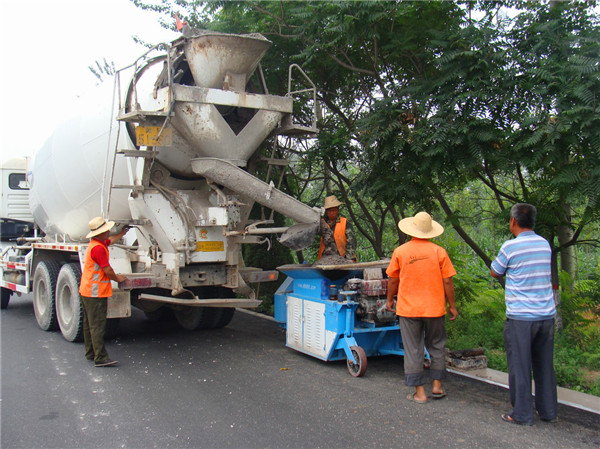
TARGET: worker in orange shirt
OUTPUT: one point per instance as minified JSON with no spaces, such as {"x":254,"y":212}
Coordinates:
{"x":95,"y":288}
{"x":337,"y":235}
{"x":420,"y":276}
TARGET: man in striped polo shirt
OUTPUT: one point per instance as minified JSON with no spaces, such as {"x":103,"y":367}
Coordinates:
{"x":530,"y":309}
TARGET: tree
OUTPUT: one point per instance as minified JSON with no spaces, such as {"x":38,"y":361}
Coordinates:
{"x":422,"y":100}
{"x":103,"y":69}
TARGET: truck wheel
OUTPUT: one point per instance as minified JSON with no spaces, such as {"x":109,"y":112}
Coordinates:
{"x":225,"y":317}
{"x":158,"y":315}
{"x":44,"y":289}
{"x":360,"y":368}
{"x":112,"y":328}
{"x":190,"y":318}
{"x":69,"y":310}
{"x":5,"y":298}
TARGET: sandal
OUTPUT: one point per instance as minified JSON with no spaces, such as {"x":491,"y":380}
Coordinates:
{"x":438,"y":395}
{"x":411,"y":397}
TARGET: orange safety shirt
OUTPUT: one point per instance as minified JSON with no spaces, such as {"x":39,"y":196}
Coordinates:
{"x":94,"y":282}
{"x":421,"y":267}
{"x":339,"y":235}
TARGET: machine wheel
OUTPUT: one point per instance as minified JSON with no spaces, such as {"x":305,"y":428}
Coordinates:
{"x":44,"y":289}
{"x":360,"y":368}
{"x":69,"y":310}
{"x":5,"y":297}
{"x":191,"y":318}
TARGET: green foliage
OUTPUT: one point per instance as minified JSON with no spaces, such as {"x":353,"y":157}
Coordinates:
{"x":579,"y":306}
{"x":570,"y":367}
{"x":480,"y":323}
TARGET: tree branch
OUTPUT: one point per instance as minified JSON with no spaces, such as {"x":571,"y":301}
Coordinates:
{"x":468,"y":240}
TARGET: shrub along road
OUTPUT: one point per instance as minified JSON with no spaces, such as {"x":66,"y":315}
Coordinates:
{"x":239,"y":387}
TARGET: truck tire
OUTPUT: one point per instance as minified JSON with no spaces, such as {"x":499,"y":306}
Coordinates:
{"x":69,"y":310}
{"x":5,"y":297}
{"x":191,"y":318}
{"x":225,"y":318}
{"x":225,"y":314}
{"x":159,"y":315}
{"x":112,"y":328}
{"x":44,"y":290}
{"x":214,"y":317}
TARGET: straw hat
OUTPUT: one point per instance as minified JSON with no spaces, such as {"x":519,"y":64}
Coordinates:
{"x":421,"y":226}
{"x":331,"y":201}
{"x":99,"y":225}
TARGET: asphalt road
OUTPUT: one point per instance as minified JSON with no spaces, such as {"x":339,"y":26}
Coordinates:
{"x":239,"y":387}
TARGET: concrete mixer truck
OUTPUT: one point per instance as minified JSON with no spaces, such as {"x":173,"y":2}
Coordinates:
{"x":168,"y":150}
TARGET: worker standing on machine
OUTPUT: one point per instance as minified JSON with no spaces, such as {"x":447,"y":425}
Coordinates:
{"x":337,"y":235}
{"x":420,"y":274}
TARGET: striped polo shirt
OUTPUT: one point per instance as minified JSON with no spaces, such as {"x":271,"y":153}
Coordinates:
{"x":526,"y":262}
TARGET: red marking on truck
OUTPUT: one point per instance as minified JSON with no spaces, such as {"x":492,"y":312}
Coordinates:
{"x":55,"y":246}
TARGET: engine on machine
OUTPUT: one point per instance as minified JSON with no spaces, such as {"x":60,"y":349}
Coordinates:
{"x":371,"y":295}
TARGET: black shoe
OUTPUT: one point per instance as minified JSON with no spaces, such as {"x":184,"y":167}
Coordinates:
{"x":551,"y":420}
{"x":105,"y":363}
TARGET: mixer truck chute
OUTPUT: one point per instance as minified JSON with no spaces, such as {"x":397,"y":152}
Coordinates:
{"x":172,"y":158}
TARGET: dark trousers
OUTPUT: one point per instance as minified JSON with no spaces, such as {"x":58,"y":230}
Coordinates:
{"x":418,"y":333}
{"x":94,"y":328}
{"x":530,"y":347}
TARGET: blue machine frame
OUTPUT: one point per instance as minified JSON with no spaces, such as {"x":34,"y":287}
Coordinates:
{"x":328,"y":329}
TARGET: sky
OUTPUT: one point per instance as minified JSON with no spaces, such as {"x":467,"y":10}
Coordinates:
{"x":47,"y":46}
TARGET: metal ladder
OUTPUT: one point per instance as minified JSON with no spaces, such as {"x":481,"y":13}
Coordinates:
{"x":289,"y":129}
{"x":135,"y":116}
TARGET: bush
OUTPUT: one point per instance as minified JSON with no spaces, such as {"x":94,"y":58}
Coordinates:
{"x":480,"y":323}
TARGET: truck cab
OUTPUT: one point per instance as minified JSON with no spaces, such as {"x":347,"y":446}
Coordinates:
{"x":15,"y":217}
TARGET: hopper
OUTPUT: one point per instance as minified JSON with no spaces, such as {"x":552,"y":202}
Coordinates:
{"x":212,"y":55}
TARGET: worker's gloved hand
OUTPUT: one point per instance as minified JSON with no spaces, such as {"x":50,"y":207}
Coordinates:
{"x":324,"y":228}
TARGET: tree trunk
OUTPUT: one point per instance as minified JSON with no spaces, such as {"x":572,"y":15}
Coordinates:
{"x":565,"y":235}
{"x":555,"y":290}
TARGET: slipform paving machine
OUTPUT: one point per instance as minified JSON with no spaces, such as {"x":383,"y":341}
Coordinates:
{"x":337,"y":312}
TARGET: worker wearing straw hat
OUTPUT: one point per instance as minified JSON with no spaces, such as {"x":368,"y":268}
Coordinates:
{"x":420,"y":276}
{"x":337,"y":236}
{"x":95,"y":289}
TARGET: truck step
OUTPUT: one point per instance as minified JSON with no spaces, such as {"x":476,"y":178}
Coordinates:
{"x":140,"y":116}
{"x":138,"y":153}
{"x":129,"y":187}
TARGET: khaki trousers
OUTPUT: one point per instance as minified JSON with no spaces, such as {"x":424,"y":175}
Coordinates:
{"x":94,"y":328}
{"x":417,"y":334}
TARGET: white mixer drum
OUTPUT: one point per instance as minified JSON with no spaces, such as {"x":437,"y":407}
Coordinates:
{"x":67,"y":172}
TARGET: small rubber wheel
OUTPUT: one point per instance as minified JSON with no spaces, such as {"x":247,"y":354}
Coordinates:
{"x":360,"y":368}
